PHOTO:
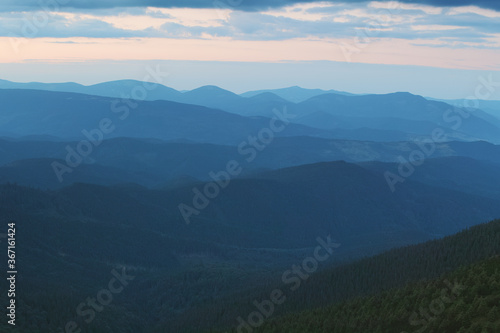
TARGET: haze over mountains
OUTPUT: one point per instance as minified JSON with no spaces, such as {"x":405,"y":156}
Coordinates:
{"x":392,"y":117}
{"x":293,"y":94}
{"x":208,"y":196}
{"x":107,"y":137}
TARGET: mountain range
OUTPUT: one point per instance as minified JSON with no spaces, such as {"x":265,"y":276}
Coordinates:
{"x":209,"y":200}
{"x":391,"y":117}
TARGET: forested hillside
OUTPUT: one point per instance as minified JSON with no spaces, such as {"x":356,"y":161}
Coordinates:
{"x":466,"y":300}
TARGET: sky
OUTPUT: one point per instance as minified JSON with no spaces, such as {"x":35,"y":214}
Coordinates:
{"x":435,"y":48}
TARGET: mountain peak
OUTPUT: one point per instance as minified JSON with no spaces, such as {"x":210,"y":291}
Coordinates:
{"x":210,"y":88}
{"x":210,"y":91}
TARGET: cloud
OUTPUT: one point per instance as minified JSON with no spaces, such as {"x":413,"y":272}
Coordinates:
{"x":459,"y":27}
{"x":245,"y":5}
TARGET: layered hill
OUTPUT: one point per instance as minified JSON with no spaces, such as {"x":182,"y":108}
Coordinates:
{"x":69,"y":115}
{"x":390,"y":117}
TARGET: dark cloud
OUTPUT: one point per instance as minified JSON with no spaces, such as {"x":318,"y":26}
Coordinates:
{"x":457,"y":30}
{"x":247,"y":5}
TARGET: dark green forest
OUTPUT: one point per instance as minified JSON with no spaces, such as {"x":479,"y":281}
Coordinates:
{"x":197,"y":284}
{"x":466,"y":300}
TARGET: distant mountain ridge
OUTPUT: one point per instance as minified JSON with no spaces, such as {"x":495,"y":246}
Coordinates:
{"x":389,"y":117}
{"x":114,"y":89}
{"x":66,"y":115}
{"x":158,"y":91}
{"x":397,"y":111}
{"x":490,"y":106}
{"x":295,"y":94}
